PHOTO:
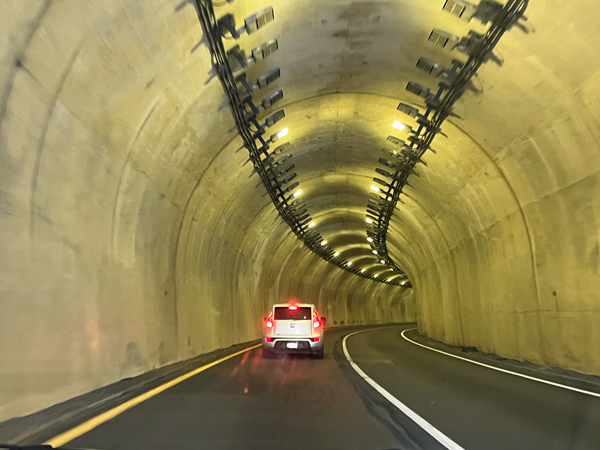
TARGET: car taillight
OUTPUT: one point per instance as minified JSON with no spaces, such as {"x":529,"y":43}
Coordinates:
{"x":269,"y":339}
{"x":316,"y":339}
{"x":293,"y":308}
{"x":269,"y":320}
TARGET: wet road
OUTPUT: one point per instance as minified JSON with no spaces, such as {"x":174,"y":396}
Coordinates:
{"x":299,"y":403}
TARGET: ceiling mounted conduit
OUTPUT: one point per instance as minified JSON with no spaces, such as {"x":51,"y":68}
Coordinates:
{"x":273,"y":166}
{"x":404,"y":156}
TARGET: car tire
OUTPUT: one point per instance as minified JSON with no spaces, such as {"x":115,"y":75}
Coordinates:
{"x":266,"y":354}
{"x":320,"y":354}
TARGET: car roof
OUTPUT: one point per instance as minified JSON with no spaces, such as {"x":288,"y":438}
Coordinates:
{"x":285,"y":305}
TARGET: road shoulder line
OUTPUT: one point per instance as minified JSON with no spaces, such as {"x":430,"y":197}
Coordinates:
{"x":430,"y":429}
{"x":510,"y":372}
{"x":88,"y":425}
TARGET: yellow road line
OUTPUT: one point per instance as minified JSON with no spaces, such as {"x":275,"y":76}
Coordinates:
{"x":89,"y":425}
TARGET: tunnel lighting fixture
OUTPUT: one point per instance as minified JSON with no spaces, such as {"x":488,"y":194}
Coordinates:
{"x":398,"y":125}
{"x":394,"y":140}
{"x":267,"y":78}
{"x":460,"y":8}
{"x":443,"y":39}
{"x":387,"y":162}
{"x":417,"y":89}
{"x":251,"y":23}
{"x":271,"y":99}
{"x":362,"y":271}
{"x":375,"y":276}
{"x":429,"y":66}
{"x":374,"y":188}
{"x":282,"y":133}
{"x":369,"y":239}
{"x":297,"y":193}
{"x":368,"y":221}
{"x":410,"y":111}
{"x":258,"y":20}
{"x":374,"y":252}
{"x":385,"y":173}
{"x":335,"y":254}
{"x":310,"y":225}
{"x":323,"y":243}
{"x":382,"y":261}
{"x":264,"y":50}
{"x":274,"y":118}
{"x":381,"y":182}
{"x":349,"y":264}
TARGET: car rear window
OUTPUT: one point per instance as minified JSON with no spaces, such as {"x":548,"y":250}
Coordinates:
{"x":285,"y":313}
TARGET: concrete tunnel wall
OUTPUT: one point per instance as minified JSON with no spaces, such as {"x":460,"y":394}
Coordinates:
{"x":132,"y":236}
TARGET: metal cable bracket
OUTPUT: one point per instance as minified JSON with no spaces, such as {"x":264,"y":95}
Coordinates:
{"x":406,"y":155}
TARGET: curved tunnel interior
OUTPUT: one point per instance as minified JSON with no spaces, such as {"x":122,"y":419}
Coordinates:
{"x":133,"y":235}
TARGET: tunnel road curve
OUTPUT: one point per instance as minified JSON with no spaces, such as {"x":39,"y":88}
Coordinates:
{"x":247,"y":402}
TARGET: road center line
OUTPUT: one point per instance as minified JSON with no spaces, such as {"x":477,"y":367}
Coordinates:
{"x":430,"y":429}
{"x":88,"y":425}
{"x":539,"y":380}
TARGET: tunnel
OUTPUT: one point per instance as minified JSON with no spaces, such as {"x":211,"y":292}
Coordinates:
{"x":136,"y":232}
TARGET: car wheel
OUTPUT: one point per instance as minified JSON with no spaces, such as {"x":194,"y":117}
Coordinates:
{"x":320,"y":354}
{"x":266,"y":354}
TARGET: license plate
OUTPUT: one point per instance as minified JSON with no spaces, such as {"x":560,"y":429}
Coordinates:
{"x":292,"y":345}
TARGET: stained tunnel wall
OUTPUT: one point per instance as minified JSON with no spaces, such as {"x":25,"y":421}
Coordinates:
{"x":132,"y":236}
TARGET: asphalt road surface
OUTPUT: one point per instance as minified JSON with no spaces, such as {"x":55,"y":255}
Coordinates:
{"x":296,"y":402}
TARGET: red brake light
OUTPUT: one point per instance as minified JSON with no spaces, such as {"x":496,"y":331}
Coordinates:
{"x":314,"y":339}
{"x":316,"y":321}
{"x":292,"y":307}
{"x":269,"y":339}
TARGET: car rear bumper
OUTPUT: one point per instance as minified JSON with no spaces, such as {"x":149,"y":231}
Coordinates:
{"x":305,"y":344}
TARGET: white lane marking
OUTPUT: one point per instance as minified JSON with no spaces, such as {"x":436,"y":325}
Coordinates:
{"x":570,"y":388}
{"x":434,"y":432}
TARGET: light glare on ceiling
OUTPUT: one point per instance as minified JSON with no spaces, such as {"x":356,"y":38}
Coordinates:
{"x":368,"y":221}
{"x":335,"y":254}
{"x":284,"y":133}
{"x":324,"y":242}
{"x":375,"y":188}
{"x":310,"y":225}
{"x":369,"y":239}
{"x":297,"y":193}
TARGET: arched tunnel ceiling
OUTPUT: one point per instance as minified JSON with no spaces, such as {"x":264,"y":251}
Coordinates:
{"x":338,"y":129}
{"x":133,"y":229}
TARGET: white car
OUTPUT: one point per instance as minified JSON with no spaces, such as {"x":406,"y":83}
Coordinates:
{"x":293,"y":328}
